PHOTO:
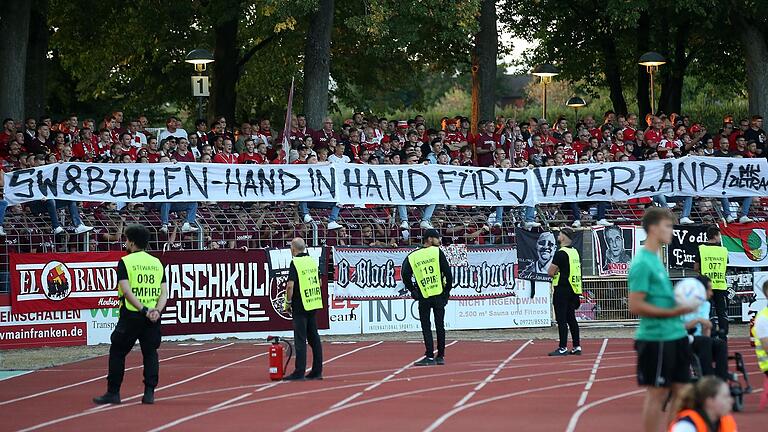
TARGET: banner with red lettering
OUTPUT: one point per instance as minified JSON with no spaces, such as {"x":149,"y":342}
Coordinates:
{"x":478,"y":272}
{"x":63,"y":281}
{"x":231,"y":291}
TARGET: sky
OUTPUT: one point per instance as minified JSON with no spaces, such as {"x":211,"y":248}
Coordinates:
{"x":519,"y":46}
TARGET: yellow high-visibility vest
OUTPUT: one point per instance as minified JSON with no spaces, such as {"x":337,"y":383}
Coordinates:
{"x":145,"y":275}
{"x":309,"y":282}
{"x":714,"y":260}
{"x":574,"y":264}
{"x":762,"y":356}
{"x":425,"y":264}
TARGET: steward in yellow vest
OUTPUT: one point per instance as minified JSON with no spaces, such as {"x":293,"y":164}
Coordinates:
{"x":427,"y":275}
{"x":712,"y":262}
{"x":565,"y":271}
{"x":143,"y":292}
{"x":760,"y":338}
{"x":303,"y":298}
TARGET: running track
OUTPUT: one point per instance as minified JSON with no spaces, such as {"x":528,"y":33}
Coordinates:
{"x":486,"y":385}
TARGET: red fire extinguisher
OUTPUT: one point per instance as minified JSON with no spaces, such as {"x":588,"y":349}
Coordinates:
{"x":277,"y":366}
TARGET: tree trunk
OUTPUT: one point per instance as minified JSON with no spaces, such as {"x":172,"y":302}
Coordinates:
{"x":37,"y":62}
{"x":613,"y":73}
{"x":14,"y":28}
{"x":643,"y":37}
{"x":226,"y":73}
{"x":487,"y":44}
{"x":754,"y":40}
{"x":317,"y":64}
{"x":671,"y":99}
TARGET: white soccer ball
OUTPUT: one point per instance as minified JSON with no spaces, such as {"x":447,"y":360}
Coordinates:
{"x":691,"y":293}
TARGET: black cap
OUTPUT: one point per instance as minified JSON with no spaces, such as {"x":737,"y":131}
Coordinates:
{"x":567,"y":231}
{"x":431,"y":233}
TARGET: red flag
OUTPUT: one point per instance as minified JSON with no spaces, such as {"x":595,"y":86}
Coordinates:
{"x":287,"y":128}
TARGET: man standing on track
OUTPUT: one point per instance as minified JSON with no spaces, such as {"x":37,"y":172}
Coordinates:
{"x":712,"y":261}
{"x":303,"y":290}
{"x":143,"y":293}
{"x":661,"y":341}
{"x":434,"y":281}
{"x":565,"y":272}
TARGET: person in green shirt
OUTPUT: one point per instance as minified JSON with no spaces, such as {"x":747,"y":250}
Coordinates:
{"x":661,"y":341}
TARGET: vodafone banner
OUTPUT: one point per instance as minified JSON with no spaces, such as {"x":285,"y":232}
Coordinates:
{"x":63,"y":281}
{"x":374,"y":273}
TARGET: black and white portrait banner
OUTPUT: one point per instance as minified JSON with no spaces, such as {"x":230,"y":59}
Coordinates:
{"x":389,"y":184}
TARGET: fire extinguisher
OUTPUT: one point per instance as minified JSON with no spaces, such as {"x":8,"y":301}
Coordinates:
{"x":277,"y":350}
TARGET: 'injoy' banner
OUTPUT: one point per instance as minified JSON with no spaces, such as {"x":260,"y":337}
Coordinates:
{"x":389,"y":184}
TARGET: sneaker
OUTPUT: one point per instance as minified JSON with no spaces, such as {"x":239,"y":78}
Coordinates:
{"x":576,"y":350}
{"x":440,"y":360}
{"x":529,"y":225}
{"x":107,"y":398}
{"x":294,"y":377}
{"x":745,"y":219}
{"x":333,"y":225}
{"x":426,"y":361}
{"x":671,"y":205}
{"x":82,"y":229}
{"x":149,"y":396}
{"x":497,"y":224}
{"x":58,"y":230}
{"x":314,"y":377}
{"x":425,"y":224}
{"x":576,"y":224}
{"x":308,"y":218}
{"x":559,"y":352}
{"x":404,"y":225}
{"x":186,"y":227}
{"x":164,"y":228}
{"x":604,"y":222}
{"x":686,"y":221}
{"x":2,"y":232}
{"x":730,"y":219}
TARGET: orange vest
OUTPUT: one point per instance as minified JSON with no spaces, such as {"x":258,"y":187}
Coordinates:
{"x":727,"y":423}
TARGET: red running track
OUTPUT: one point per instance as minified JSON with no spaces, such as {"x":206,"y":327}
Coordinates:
{"x":486,"y":385}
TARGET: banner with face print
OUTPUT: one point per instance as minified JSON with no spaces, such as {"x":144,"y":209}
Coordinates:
{"x":535,"y":251}
{"x":614,"y":248}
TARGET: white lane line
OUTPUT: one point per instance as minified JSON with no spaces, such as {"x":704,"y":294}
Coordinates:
{"x":592,"y":375}
{"x":227,"y":402}
{"x":355,"y":385}
{"x":456,"y":410}
{"x":104,"y":408}
{"x":492,"y":375}
{"x":54,"y":390}
{"x":576,"y":415}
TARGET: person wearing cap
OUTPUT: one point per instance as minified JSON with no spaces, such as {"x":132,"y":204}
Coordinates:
{"x":565,"y":272}
{"x":432,"y":288}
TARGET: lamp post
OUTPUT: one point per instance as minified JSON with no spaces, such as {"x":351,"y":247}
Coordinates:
{"x":200,"y":87}
{"x":545,"y":71}
{"x":652,"y":60}
{"x":576,"y":102}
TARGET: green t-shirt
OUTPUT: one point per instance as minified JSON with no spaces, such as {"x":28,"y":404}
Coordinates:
{"x":647,"y":274}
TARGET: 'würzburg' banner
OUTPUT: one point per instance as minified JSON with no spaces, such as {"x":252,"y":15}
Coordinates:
{"x":389,"y":184}
{"x":374,"y":273}
{"x":230,"y":292}
{"x":63,"y":281}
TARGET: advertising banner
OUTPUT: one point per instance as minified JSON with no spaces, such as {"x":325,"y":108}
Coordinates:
{"x":535,"y":251}
{"x":746,"y":243}
{"x":55,"y":328}
{"x":758,"y":301}
{"x":374,"y":273}
{"x":63,"y":281}
{"x":389,"y":184}
{"x":682,"y":251}
{"x":230,"y":291}
{"x":614,"y":248}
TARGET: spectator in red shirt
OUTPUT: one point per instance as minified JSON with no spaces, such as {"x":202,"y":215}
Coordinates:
{"x":570,"y":155}
{"x":201,"y":127}
{"x":654,"y":135}
{"x":323,"y":137}
{"x":486,"y":144}
{"x":8,"y":133}
{"x":249,"y":155}
{"x":226,"y":156}
{"x":183,"y":154}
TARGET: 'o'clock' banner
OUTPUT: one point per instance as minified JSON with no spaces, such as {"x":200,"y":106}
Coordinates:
{"x":389,"y":184}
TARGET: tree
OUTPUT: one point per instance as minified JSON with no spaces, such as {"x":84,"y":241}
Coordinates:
{"x":317,"y":64}
{"x":486,"y":46}
{"x":753,"y":35}
{"x":35,"y":90}
{"x":14,"y":28}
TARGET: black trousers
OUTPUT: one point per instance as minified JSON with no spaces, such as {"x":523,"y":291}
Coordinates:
{"x":133,"y":326}
{"x":720,"y":304}
{"x":566,"y":303}
{"x":305,"y":330}
{"x":712,"y":350}
{"x":436,"y":304}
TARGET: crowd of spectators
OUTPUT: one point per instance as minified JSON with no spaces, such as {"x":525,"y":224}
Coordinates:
{"x":362,"y":139}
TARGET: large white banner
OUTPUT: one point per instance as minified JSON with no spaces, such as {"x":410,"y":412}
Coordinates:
{"x":389,"y":184}
{"x":374,"y":273}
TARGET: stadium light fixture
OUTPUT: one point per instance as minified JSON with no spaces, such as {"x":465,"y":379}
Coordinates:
{"x":545,"y":71}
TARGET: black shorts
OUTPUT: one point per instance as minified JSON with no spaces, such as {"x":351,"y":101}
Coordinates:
{"x":660,"y":364}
